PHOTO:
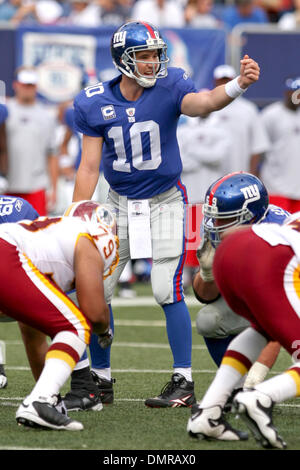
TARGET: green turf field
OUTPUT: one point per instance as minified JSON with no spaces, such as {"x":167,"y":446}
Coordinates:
{"x":141,"y":364}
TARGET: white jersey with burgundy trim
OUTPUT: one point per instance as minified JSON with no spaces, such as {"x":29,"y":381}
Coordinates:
{"x":287,"y":234}
{"x":49,"y":244}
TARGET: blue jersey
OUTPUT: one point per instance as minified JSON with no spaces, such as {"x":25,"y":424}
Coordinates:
{"x":13,"y":209}
{"x":140,"y":151}
{"x":275,"y":215}
{"x":3,"y":113}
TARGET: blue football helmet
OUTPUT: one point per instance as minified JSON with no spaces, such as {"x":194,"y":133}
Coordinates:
{"x":137,"y":36}
{"x":235,"y":199}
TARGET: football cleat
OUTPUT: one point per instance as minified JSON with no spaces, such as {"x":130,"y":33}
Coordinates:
{"x":229,"y":404}
{"x":3,"y":378}
{"x":176,"y":393}
{"x":255,"y":409}
{"x":105,"y":388}
{"x":43,"y":413}
{"x":82,"y":400}
{"x":209,"y":423}
{"x":84,"y":394}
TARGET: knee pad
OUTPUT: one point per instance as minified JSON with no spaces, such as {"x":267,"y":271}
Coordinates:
{"x":162,"y":285}
{"x":217,"y":320}
{"x":207,"y":321}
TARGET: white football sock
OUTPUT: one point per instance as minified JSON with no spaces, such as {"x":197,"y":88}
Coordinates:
{"x":282,"y":387}
{"x":185,"y":371}
{"x":104,"y":373}
{"x":54,"y":375}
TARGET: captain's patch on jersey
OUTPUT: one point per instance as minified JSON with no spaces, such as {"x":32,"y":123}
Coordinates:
{"x":108,"y":112}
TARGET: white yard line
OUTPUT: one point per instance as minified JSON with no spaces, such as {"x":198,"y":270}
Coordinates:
{"x":145,"y":301}
{"x":15,"y":401}
{"x":124,"y":344}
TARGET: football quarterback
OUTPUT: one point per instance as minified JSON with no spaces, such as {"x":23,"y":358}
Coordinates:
{"x":129,"y":126}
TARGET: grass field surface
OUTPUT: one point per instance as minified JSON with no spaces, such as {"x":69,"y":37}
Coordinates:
{"x":141,"y":365}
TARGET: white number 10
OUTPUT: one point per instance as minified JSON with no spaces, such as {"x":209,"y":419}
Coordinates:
{"x":116,"y":133}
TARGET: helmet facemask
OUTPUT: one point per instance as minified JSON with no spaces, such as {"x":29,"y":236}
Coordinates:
{"x":159,"y":67}
{"x":234,"y":218}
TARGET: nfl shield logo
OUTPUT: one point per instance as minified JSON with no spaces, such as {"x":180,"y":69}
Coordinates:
{"x":130,"y":113}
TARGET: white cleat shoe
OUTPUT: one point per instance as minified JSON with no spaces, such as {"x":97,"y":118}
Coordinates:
{"x":3,"y":378}
{"x":255,"y":409}
{"x":45,"y":413}
{"x":209,"y":423}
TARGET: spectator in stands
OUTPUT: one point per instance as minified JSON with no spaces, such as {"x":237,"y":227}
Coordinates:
{"x":243,"y":11}
{"x":162,"y":13}
{"x":41,"y":11}
{"x":114,"y":12}
{"x":204,"y":150}
{"x":8,"y":9}
{"x":198,"y":14}
{"x":30,"y":130}
{"x":242,"y":122}
{"x":275,"y":8}
{"x":281,"y":167}
{"x":84,"y":13}
{"x":291,"y":20}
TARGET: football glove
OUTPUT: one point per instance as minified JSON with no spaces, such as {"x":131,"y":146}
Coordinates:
{"x":256,"y":375}
{"x":106,"y":338}
{"x":205,"y":255}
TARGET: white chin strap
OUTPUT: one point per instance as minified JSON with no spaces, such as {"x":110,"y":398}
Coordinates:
{"x":145,"y":82}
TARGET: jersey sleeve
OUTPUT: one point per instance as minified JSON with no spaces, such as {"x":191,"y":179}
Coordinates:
{"x":276,"y":215}
{"x":181,"y":86}
{"x":13,"y":209}
{"x":3,"y":113}
{"x":82,"y":116}
{"x":29,"y":212}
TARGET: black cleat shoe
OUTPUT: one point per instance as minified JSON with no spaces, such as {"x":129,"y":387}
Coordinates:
{"x":43,"y":413}
{"x":84,"y":394}
{"x":105,"y":387}
{"x":3,"y":378}
{"x":82,"y":400}
{"x":176,"y":393}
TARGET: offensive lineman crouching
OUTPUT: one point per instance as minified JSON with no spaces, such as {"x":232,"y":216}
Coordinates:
{"x":46,"y":257}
